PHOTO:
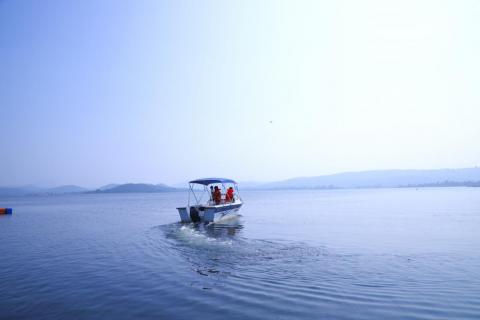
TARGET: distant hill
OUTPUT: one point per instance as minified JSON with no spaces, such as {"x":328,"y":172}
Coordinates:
{"x":381,"y":179}
{"x":137,"y":188}
{"x":72,"y":189}
{"x":108,"y":186}
{"x":19,"y":191}
{"x":33,"y":190}
{"x":65,"y":189}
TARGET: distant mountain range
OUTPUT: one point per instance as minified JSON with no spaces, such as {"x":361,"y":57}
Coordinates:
{"x":33,"y":190}
{"x":71,"y":189}
{"x":469,"y":177}
{"x":381,"y":179}
{"x":136,"y":188}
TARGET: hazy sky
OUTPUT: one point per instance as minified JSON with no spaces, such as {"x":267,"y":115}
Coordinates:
{"x":93,"y":92}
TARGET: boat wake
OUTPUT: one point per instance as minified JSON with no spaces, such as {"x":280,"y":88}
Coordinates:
{"x":220,"y":250}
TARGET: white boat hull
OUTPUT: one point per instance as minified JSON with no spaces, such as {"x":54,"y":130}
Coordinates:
{"x":209,"y":213}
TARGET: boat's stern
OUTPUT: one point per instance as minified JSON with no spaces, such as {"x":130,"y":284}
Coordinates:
{"x":225,"y":211}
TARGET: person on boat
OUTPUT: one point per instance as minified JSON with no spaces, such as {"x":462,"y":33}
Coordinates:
{"x":217,"y":195}
{"x":212,"y":194}
{"x":229,"y":195}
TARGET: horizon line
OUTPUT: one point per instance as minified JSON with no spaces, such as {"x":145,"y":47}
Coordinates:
{"x":240,"y":181}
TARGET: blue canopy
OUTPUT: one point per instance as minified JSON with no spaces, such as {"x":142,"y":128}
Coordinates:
{"x":207,"y":181}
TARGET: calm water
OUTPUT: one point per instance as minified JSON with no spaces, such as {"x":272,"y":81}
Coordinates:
{"x":337,"y":254}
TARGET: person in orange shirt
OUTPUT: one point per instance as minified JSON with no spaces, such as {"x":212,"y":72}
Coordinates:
{"x":229,"y":195}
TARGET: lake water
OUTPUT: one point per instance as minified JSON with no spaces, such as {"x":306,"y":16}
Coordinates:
{"x":331,"y":254}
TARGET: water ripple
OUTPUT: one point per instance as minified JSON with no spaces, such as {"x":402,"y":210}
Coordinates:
{"x":297,"y":276}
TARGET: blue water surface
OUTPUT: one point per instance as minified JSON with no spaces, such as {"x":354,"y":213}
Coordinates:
{"x":319,"y":254}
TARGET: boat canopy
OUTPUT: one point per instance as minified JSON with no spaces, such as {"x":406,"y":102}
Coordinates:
{"x":207,"y":181}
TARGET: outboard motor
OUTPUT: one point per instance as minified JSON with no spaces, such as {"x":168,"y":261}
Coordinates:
{"x":194,"y":214}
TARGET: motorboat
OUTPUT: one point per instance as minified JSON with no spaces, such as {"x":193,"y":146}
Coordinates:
{"x":204,"y":206}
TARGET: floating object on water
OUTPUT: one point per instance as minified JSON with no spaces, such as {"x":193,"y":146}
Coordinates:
{"x":217,"y":207}
{"x":6,"y":211}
